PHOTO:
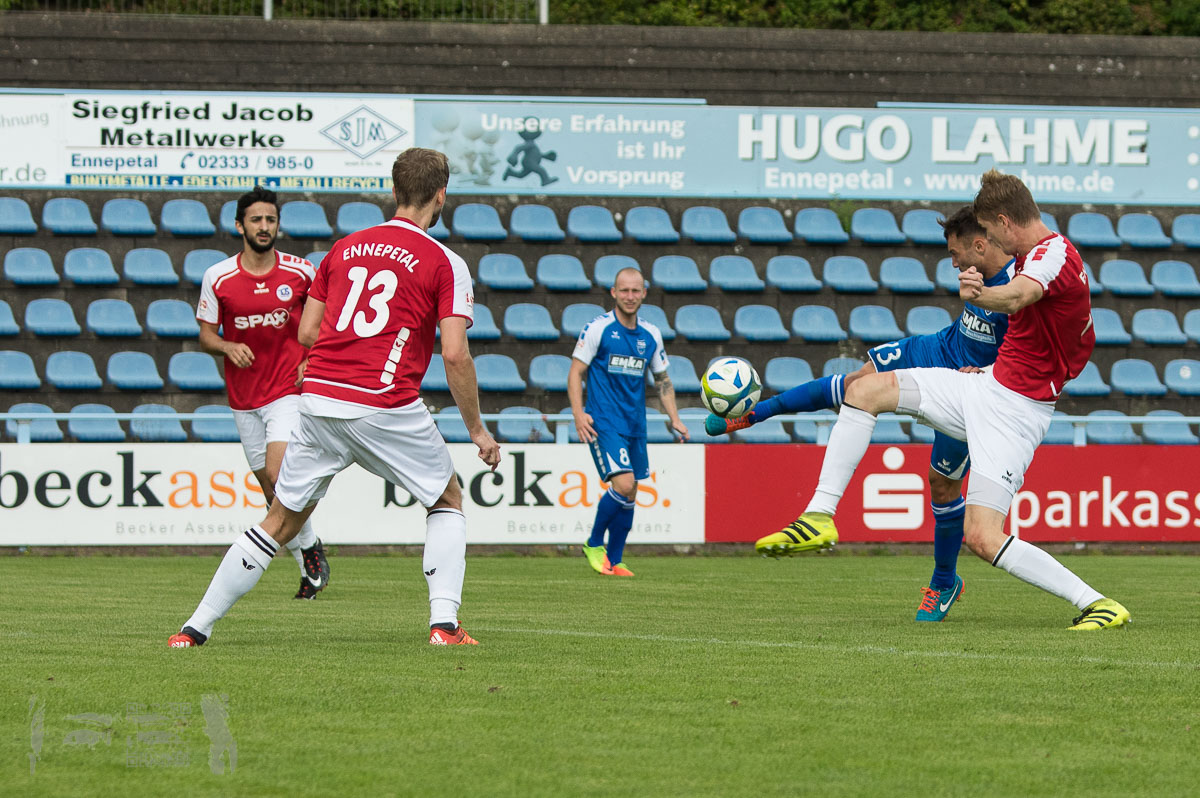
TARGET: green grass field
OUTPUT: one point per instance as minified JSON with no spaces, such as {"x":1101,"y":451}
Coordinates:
{"x":701,"y":676}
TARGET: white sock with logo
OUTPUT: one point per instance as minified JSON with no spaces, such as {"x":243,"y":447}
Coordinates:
{"x":445,"y":563}
{"x":239,"y":571}
{"x":1030,"y":564}
{"x":306,"y":538}
{"x":848,"y":441}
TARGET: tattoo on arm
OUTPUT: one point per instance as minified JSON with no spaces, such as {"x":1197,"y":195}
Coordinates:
{"x":664,"y":385}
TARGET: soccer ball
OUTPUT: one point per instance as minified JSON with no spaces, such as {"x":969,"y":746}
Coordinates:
{"x":730,"y":387}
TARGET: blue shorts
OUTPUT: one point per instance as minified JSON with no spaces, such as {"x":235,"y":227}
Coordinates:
{"x":614,"y":453}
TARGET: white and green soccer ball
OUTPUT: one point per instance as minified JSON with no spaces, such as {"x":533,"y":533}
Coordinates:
{"x":730,"y":387}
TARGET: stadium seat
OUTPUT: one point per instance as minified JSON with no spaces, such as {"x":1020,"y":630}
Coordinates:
{"x":1174,"y":278}
{"x":841,"y":365}
{"x":1158,"y":327}
{"x":656,"y":431}
{"x":805,"y":430}
{"x":769,"y":431}
{"x":44,"y":317}
{"x":197,"y":262}
{"x":759,"y":323}
{"x":648,"y":224}
{"x":576,"y":316}
{"x":888,"y":430}
{"x":227,"y":218}
{"x":194,"y":371}
{"x":187,"y":218}
{"x":874,"y":324}
{"x":817,"y":324}
{"x":848,"y":274}
{"x":1133,"y":376}
{"x":562,"y":273}
{"x":693,"y":419}
{"x":1110,"y":330}
{"x":41,"y":430}
{"x":1165,"y":433}
{"x":705,"y":224}
{"x":820,"y":226}
{"x":474,"y":221}
{"x":875,"y":226}
{"x":1113,"y":429}
{"x":94,"y":430}
{"x":655,"y":315}
{"x":498,"y":373}
{"x":676,"y":274}
{"x":522,"y":424}
{"x":734,"y":273}
{"x":216,"y":426}
{"x":921,"y":226}
{"x":607,"y":266}
{"x":15,"y":217}
{"x":1088,"y":383}
{"x":8,"y":324}
{"x":17,"y":372}
{"x":112,"y":318}
{"x":1060,"y":432}
{"x":355,"y":216}
{"x":701,"y":323}
{"x":438,"y":230}
{"x":1094,"y":285}
{"x":133,"y":371}
{"x":483,"y":327}
{"x":127,"y":217}
{"x":161,"y":430}
{"x":947,"y":276}
{"x":89,"y":266}
{"x":549,"y":372}
{"x":72,"y":371}
{"x":303,"y":219}
{"x":450,"y":424}
{"x":792,"y":273}
{"x":1186,"y":230}
{"x":1191,"y":325}
{"x":927,"y":319}
{"x":902,"y":275}
{"x":784,"y":373}
{"x":763,"y":225}
{"x":501,"y":271}
{"x":1049,"y":220}
{"x":683,"y":375}
{"x":1086,"y":229}
{"x":149,"y":266}
{"x":1142,"y":231}
{"x":29,"y":266}
{"x":527,"y":321}
{"x":317,"y":257}
{"x":68,"y":216}
{"x":1125,"y":278}
{"x":1183,"y":376}
{"x":535,"y":223}
{"x":172,"y":318}
{"x":435,"y":376}
{"x":592,"y":224}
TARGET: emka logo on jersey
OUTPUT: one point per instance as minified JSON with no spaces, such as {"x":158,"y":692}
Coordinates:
{"x":276,"y":318}
{"x":626,"y":364}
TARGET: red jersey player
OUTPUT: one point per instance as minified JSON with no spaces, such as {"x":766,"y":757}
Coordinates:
{"x":372,"y":312}
{"x":249,"y":314}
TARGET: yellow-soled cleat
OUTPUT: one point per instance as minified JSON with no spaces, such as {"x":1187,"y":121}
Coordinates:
{"x":809,"y":532}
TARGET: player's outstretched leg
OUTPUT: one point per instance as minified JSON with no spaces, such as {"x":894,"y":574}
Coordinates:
{"x":445,"y":566}
{"x":809,"y":532}
{"x":822,"y":394}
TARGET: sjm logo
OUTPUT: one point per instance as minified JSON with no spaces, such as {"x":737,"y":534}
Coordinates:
{"x":363,"y":132}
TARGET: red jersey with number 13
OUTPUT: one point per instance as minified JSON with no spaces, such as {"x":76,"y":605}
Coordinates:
{"x":385,"y":289}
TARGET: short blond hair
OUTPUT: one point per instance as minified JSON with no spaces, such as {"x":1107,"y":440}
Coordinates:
{"x":1004,"y":194}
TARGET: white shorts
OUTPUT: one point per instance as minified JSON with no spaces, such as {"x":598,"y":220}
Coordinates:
{"x":1002,"y":428}
{"x":267,"y":424}
{"x":402,"y":446}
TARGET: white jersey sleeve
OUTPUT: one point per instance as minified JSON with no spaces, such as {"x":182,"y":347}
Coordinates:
{"x":209,"y":308}
{"x":658,"y":360}
{"x":1046,"y":261}
{"x":589,"y":340}
{"x":463,"y":301}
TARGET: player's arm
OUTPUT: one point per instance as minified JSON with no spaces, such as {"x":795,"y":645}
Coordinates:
{"x":666,"y":395}
{"x":310,"y":321}
{"x":583,"y":421}
{"x":460,"y":374}
{"x":1007,"y":298}
{"x":211,"y":341}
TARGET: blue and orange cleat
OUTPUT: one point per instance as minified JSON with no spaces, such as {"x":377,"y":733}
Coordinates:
{"x":935,"y":604}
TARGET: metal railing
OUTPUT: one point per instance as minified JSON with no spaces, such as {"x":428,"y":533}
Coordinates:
{"x":414,"y":10}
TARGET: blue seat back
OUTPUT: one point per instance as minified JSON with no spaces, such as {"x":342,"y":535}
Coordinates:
{"x":785,"y":373}
{"x":1163,"y":433}
{"x":149,"y":266}
{"x":683,"y":375}
{"x":47,"y":316}
{"x":15,"y":217}
{"x":527,"y":321}
{"x":817,"y":323}
{"x":198,"y":261}
{"x":504,"y":272}
{"x":607,"y":267}
{"x":655,"y":315}
{"x":677,"y":273}
{"x":1175,"y":278}
{"x":1110,"y":330}
{"x":562,"y":273}
{"x":922,"y":226}
{"x":522,"y":424}
{"x":72,"y":371}
{"x":113,"y":318}
{"x":127,"y":217}
{"x":1087,"y":229}
{"x":8,"y":324}
{"x":194,"y":371}
{"x":1182,"y":376}
{"x":133,"y":371}
{"x":592,"y":224}
{"x":705,"y":224}
{"x":549,"y":372}
{"x":927,"y":320}
{"x":576,"y":316}
{"x":17,"y":372}
{"x":95,"y":430}
{"x":498,"y":373}
{"x":535,"y":223}
{"x":187,"y":217}
{"x":1157,"y":326}
{"x":172,"y":318}
{"x":875,"y":226}
{"x":1125,"y":278}
{"x":1113,"y":429}
{"x":734,"y":273}
{"x":355,"y":216}
{"x":1142,"y":231}
{"x":41,"y":430}
{"x":304,"y":219}
{"x":483,"y":328}
{"x":1186,"y":230}
{"x":647,"y":224}
{"x":89,"y":266}
{"x":840,"y":365}
{"x":1133,"y":376}
{"x":68,"y":216}
{"x":216,"y":425}
{"x":435,"y":375}
{"x":759,"y":323}
{"x":475,"y":221}
{"x":763,"y":225}
{"x":820,"y":226}
{"x":874,"y":324}
{"x":1088,"y":383}
{"x":701,"y":323}
{"x":905,"y":275}
{"x":848,"y":274}
{"x":29,"y":266}
{"x":165,"y":430}
{"x":792,"y":273}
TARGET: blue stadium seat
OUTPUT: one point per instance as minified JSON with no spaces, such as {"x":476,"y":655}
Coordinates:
{"x":197,"y":262}
{"x":792,"y":273}
{"x":355,"y":216}
{"x":1191,"y":325}
{"x":820,"y":226}
{"x":576,"y":316}
{"x":1110,"y":330}
{"x":217,"y":426}
{"x":1186,"y":230}
{"x":522,"y":424}
{"x":1060,"y":432}
{"x":562,"y":273}
{"x":172,"y":318}
{"x":94,"y":430}
{"x":187,"y":218}
{"x":1086,"y":229}
{"x":848,"y":274}
{"x":439,"y":231}
{"x":1049,"y":220}
{"x":693,"y":419}
{"x":50,"y":317}
{"x":875,"y":226}
{"x":759,"y":323}
{"x":888,"y":430}
{"x":549,"y":372}
{"x":1168,"y":434}
{"x":921,"y":226}
{"x":705,"y":224}
{"x":841,"y":365}
{"x":474,"y":221}
{"x":805,"y":430}
{"x":17,"y":372}
{"x":527,"y":321}
{"x":483,"y":327}
{"x":769,"y":431}
{"x":927,"y":319}
{"x":647,"y":224}
{"x":29,"y":266}
{"x":903,"y":275}
{"x":701,"y":323}
{"x":874,"y":324}
{"x":15,"y":217}
{"x":303,"y":219}
{"x":1125,"y":278}
{"x":1158,"y":327}
{"x":8,"y":324}
{"x":1133,"y":376}
{"x":762,"y":225}
{"x":592,"y":224}
{"x":785,"y":373}
{"x":498,"y":373}
{"x":317,"y":257}
{"x":113,"y":318}
{"x":133,"y":371}
{"x":149,"y":266}
{"x":607,"y":266}
{"x":1088,"y":383}
{"x":72,"y":371}
{"x":41,"y":430}
{"x":435,"y":376}
{"x":1115,"y":429}
{"x":655,"y":315}
{"x":677,"y":273}
{"x":1174,"y":278}
{"x":89,"y":266}
{"x":159,"y":430}
{"x":1142,"y":231}
{"x":501,"y":271}
{"x":127,"y":217}
{"x":194,"y":371}
{"x":734,"y":273}
{"x":656,"y":431}
{"x":817,"y":324}
{"x":450,"y":424}
{"x":683,"y":375}
{"x":947,"y":276}
{"x":227,"y":218}
{"x":1183,"y":376}
{"x":68,"y":216}
{"x":535,"y":223}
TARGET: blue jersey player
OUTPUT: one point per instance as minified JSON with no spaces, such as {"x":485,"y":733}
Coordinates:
{"x":971,"y":341}
{"x":614,"y":351}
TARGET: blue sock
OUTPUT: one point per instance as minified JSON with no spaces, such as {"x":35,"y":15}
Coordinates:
{"x":947,"y":540}
{"x":610,"y":503}
{"x":618,"y":531}
{"x":821,"y":394}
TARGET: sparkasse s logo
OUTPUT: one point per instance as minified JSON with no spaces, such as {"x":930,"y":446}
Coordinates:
{"x":893,"y":500}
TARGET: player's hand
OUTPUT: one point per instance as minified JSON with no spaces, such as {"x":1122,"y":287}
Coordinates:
{"x":300,"y":371}
{"x":239,"y":355}
{"x":971,"y":370}
{"x":489,"y":450}
{"x":583,"y":426}
{"x":970,"y":283}
{"x":682,"y":429}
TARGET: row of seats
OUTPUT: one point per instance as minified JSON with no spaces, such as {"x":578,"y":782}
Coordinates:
{"x":217,"y":426}
{"x":125,"y":371}
{"x":105,"y":318}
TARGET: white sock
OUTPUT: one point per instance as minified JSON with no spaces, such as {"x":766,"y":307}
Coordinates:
{"x":445,"y":563}
{"x":241,"y":569}
{"x":1030,"y":564}
{"x":848,"y":441}
{"x":306,"y":538}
